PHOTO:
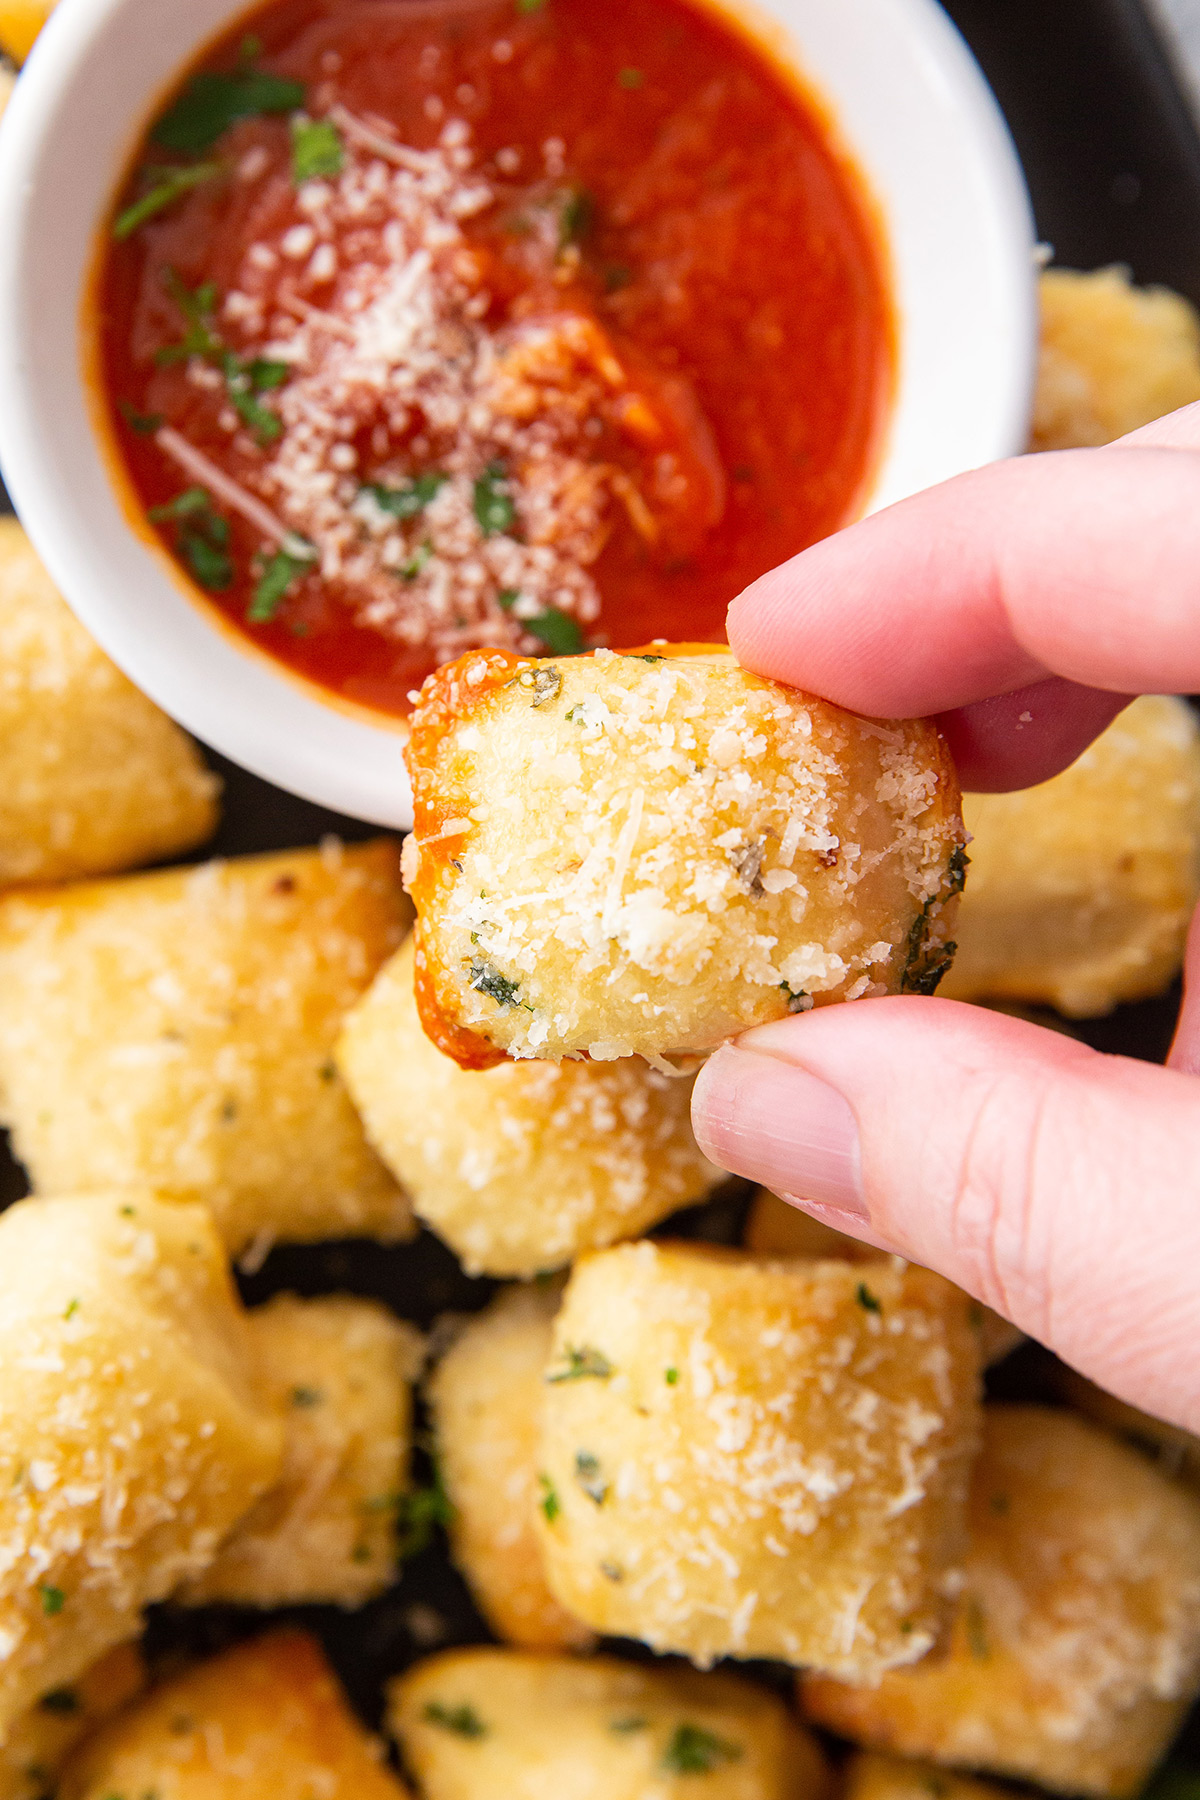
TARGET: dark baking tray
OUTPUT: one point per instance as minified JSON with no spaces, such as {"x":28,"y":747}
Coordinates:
{"x":1113,"y":162}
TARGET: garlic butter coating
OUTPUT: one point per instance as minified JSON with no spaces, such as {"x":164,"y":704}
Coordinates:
{"x":1074,"y":1651}
{"x":133,"y":1432}
{"x":644,"y":854}
{"x":749,"y":1457}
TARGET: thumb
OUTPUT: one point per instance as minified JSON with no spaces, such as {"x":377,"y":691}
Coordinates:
{"x":1057,"y":1185}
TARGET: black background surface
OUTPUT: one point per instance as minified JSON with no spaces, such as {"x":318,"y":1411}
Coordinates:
{"x":1113,"y":163}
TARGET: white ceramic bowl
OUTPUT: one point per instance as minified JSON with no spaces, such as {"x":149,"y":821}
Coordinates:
{"x":911,"y":109}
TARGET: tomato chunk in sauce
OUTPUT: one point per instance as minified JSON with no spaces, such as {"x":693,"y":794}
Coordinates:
{"x":434,"y":323}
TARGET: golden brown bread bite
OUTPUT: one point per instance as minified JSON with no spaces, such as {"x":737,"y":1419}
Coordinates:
{"x":339,"y":1372}
{"x":775,"y":1228}
{"x":132,"y":1433}
{"x":486,"y":1399}
{"x":1076,"y":1643}
{"x":519,"y":1168}
{"x":177,"y":1029}
{"x":620,"y":855}
{"x":1080,"y":890}
{"x":483,"y":1723}
{"x":42,"y":1739}
{"x":93,"y":777}
{"x":1113,"y":357}
{"x":869,"y":1775}
{"x":266,"y":1719}
{"x":746,"y":1457}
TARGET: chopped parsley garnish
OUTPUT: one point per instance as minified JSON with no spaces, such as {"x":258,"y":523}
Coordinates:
{"x":145,"y":424}
{"x":632,"y":78}
{"x":463,"y":1720}
{"x":587,"y":1474}
{"x":193,"y":500}
{"x":197,"y":308}
{"x":485,"y":978}
{"x":306,"y":1396}
{"x":317,"y":149}
{"x":207,"y":560}
{"x":166,"y":185}
{"x":493,"y":506}
{"x":212,"y":102}
{"x":277,"y":577}
{"x":530,"y":6}
{"x":244,"y":380}
{"x":203,"y":538}
{"x":419,"y":1514}
{"x":576,"y":218}
{"x":556,"y":630}
{"x":53,"y":1599}
{"x":72,"y":1308}
{"x":925,"y":963}
{"x":671,"y":1377}
{"x":956,"y":870}
{"x":550,"y":1503}
{"x":406,"y":502}
{"x":694,"y":1751}
{"x":417,"y":562}
{"x":867,"y":1300}
{"x":746,"y":861}
{"x":582,"y":1363}
{"x":544,"y":682}
{"x":64,"y":1701}
{"x":623,"y":1726}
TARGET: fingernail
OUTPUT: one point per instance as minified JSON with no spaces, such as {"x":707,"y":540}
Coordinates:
{"x":774,"y":1123}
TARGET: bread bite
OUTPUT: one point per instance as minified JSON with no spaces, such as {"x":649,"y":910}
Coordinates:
{"x":176,"y":1029}
{"x":266,"y":1719}
{"x":479,"y":1723}
{"x":1075,"y":1648}
{"x":644,"y":854}
{"x":339,"y":1371}
{"x":93,"y":777}
{"x":748,"y":1457}
{"x":522,"y":1167}
{"x":1113,"y":357}
{"x":1081,"y":889}
{"x":776,"y":1228}
{"x":486,"y":1400}
{"x":41,"y":1739}
{"x":133,"y":1435}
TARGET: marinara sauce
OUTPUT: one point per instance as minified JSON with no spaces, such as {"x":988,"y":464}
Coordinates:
{"x":537,"y":323}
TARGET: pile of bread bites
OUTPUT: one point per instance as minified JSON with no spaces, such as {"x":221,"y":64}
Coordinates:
{"x":776,"y":1453}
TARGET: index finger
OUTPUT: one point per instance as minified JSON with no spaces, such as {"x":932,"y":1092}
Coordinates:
{"x":1083,"y":564}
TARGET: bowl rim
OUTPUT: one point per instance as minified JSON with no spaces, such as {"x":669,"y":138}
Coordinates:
{"x":231,"y":694}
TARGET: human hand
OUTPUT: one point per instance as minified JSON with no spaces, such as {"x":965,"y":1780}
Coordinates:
{"x":1024,"y":604}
